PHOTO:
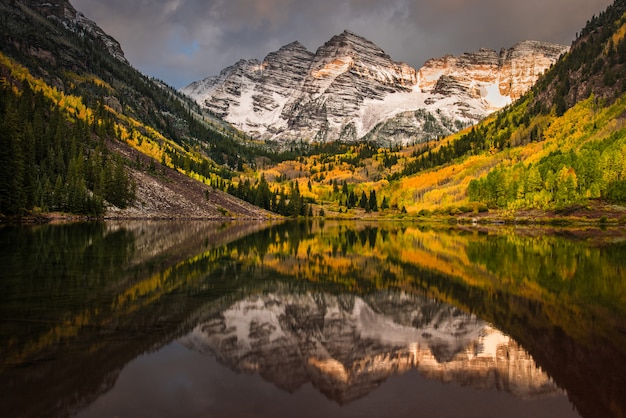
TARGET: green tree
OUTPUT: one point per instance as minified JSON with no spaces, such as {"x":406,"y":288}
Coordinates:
{"x":294,"y":208}
{"x":12,"y":200}
{"x":373,"y":203}
{"x":364,"y":201}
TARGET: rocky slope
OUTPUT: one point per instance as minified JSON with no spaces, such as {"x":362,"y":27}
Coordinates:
{"x":169,"y":194}
{"x":346,"y":346}
{"x":349,"y":90}
{"x":497,"y":77}
{"x":75,"y":21}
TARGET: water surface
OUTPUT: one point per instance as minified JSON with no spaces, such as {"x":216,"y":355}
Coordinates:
{"x":311,"y":319}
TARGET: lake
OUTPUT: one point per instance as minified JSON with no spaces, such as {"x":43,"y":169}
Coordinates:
{"x":307,"y":319}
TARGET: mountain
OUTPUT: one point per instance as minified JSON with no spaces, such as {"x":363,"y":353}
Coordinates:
{"x":86,"y":133}
{"x":556,"y":152}
{"x":64,"y":12}
{"x":346,"y":345}
{"x":505,"y":75}
{"x":349,"y":90}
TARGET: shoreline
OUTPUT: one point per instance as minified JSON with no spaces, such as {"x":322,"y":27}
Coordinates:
{"x":58,"y":218}
{"x":596,"y":214}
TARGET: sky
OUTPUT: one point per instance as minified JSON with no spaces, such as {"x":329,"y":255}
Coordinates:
{"x":181,"y":41}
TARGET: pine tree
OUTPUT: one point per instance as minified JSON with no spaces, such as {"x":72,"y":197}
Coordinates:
{"x":364,"y":201}
{"x":373,"y":203}
{"x":352,"y":201}
{"x":384,"y":205}
{"x":12,"y":199}
{"x":294,"y":208}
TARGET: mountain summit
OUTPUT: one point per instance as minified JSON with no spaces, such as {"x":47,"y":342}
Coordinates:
{"x":350,"y":89}
{"x":63,"y":11}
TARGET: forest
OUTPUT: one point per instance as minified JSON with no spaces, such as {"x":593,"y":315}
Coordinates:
{"x":558,"y":180}
{"x":49,"y":164}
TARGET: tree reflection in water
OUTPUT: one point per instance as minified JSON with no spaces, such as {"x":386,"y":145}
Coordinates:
{"x":342,"y":306}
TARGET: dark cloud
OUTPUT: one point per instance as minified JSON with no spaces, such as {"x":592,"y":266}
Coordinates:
{"x":181,"y":41}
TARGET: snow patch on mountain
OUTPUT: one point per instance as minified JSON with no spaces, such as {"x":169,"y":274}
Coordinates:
{"x":492,"y":95}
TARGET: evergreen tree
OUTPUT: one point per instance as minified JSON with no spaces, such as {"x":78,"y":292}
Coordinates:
{"x":364,"y":201}
{"x":373,"y":203}
{"x":11,"y":165}
{"x":294,"y":208}
{"x":384,"y":204}
{"x":344,"y":188}
{"x":352,"y":201}
{"x":263,"y":194}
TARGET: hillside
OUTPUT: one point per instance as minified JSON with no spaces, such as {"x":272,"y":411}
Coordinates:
{"x":86,"y":133}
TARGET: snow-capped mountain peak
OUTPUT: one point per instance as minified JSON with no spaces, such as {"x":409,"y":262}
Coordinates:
{"x":350,"y":90}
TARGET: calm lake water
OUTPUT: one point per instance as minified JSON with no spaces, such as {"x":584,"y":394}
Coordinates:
{"x":197,"y":319}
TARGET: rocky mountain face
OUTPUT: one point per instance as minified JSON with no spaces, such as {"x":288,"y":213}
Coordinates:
{"x":75,"y":21}
{"x":497,"y":77}
{"x":350,"y":90}
{"x":346,"y":346}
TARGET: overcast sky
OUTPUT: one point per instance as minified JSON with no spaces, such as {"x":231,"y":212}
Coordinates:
{"x":180,"y":41}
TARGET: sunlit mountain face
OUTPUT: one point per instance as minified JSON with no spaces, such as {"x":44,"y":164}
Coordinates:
{"x":351,"y":90}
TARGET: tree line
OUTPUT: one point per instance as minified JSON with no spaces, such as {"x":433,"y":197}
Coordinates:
{"x":287,"y":203}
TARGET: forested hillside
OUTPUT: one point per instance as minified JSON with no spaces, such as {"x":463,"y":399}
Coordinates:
{"x":67,"y":92}
{"x":577,"y":110}
{"x":51,"y":165}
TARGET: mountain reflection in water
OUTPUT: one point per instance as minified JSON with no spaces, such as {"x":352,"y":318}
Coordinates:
{"x":346,"y":346}
{"x":363,"y":313}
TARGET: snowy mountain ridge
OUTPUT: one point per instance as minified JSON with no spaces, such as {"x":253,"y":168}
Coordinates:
{"x":350,"y":90}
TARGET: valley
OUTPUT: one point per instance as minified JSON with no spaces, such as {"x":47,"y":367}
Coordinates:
{"x":327,"y":232}
{"x":530,"y":133}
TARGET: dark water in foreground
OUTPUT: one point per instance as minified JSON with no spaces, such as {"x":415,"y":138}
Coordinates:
{"x":311,"y":319}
